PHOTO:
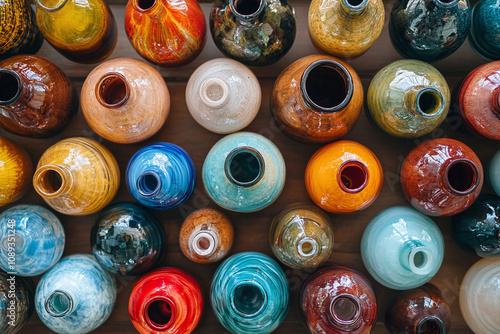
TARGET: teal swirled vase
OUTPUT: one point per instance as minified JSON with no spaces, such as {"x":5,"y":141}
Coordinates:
{"x":36,"y":237}
{"x":250,"y":294}
{"x":402,"y":248}
{"x":494,"y":172}
{"x":244,"y":172}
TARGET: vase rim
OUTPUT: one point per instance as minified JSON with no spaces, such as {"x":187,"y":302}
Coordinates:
{"x":307,"y":247}
{"x":361,"y":168}
{"x":103,"y":86}
{"x":206,"y":97}
{"x":423,"y":320}
{"x":152,"y":323}
{"x":437,"y":99}
{"x":228,"y":169}
{"x":142,"y":183}
{"x":250,"y":283}
{"x":43,"y":185}
{"x":58,"y":6}
{"x":53,"y":304}
{"x":354,"y":313}
{"x":204,"y":243}
{"x":20,"y":86}
{"x":233,"y":7}
{"x":420,"y":259}
{"x":475,"y":176}
{"x":354,"y":6}
{"x":447,"y":3}
{"x":149,"y":5}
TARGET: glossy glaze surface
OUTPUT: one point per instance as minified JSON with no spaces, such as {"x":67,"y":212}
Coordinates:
{"x":161,"y":176}
{"x":76,"y":296}
{"x":429,"y":30}
{"x":494,"y":172}
{"x":127,"y":240}
{"x":419,"y":311}
{"x":408,"y":98}
{"x":223,"y":95}
{"x":317,"y":99}
{"x":16,"y":170}
{"x":81,"y":30}
{"x":254,"y":32}
{"x":206,"y":236}
{"x":343,"y":177}
{"x":77,"y":176}
{"x":125,"y":100}
{"x":337,"y":299}
{"x":166,"y":300}
{"x":301,"y":236}
{"x":345,"y":28}
{"x":478,"y":100}
{"x":412,"y":252}
{"x":18,"y":31}
{"x":480,"y":296}
{"x":484,"y":29}
{"x":441,"y":177}
{"x":22,"y":300}
{"x":38,"y":240}
{"x":244,"y":172}
{"x":36,"y":97}
{"x":250,"y":294}
{"x":166,"y":32}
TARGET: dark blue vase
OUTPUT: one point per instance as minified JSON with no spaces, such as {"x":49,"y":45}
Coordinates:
{"x":429,"y":30}
{"x":161,"y":176}
{"x":485,"y":29}
{"x":477,"y":229}
{"x":127,"y":240}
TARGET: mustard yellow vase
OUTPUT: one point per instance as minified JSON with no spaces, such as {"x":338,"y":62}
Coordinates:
{"x":15,"y":171}
{"x":345,"y":28}
{"x":77,"y":176}
{"x":83,"y":31}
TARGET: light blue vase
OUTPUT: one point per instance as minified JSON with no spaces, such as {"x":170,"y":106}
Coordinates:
{"x":402,"y":248}
{"x":36,"y":237}
{"x":161,"y":176}
{"x":249,"y":294}
{"x":494,"y":172}
{"x":244,"y":172}
{"x":75,"y":296}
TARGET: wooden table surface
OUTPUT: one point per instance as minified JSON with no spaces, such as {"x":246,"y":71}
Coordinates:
{"x":251,"y":230}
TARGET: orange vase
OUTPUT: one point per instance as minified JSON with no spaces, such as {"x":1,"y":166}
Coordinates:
{"x":343,"y":177}
{"x":77,"y":176}
{"x":317,"y":99}
{"x":15,"y":171}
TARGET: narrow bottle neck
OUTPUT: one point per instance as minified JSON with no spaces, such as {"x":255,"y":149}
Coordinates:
{"x":244,"y":166}
{"x":60,"y":303}
{"x":353,"y":7}
{"x":214,"y":93}
{"x":204,"y":243}
{"x":160,"y":313}
{"x":345,"y":311}
{"x":149,"y":183}
{"x":494,"y":102}
{"x":428,"y":102}
{"x":11,"y":87}
{"x":430,"y":324}
{"x":416,"y":258}
{"x":445,"y":3}
{"x":247,"y":10}
{"x":17,"y":242}
{"x":352,"y":176}
{"x":248,"y":298}
{"x":148,"y":7}
{"x":307,"y":248}
{"x":50,"y":5}
{"x":461,"y":176}
{"x":51,"y":181}
{"x":112,"y":90}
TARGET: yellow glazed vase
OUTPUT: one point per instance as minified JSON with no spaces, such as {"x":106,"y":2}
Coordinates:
{"x":77,"y":176}
{"x":83,"y":31}
{"x":15,"y":171}
{"x":345,"y":28}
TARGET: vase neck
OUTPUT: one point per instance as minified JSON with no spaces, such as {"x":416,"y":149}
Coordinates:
{"x":353,"y":7}
{"x":214,"y":93}
{"x":50,"y":5}
{"x":17,"y":242}
{"x":204,"y":243}
{"x":461,"y":176}
{"x":445,"y":3}
{"x":51,"y":181}
{"x":494,"y":102}
{"x":112,"y":90}
{"x":248,"y":298}
{"x":11,"y":87}
{"x":352,"y":176}
{"x":244,"y":166}
{"x":149,"y":183}
{"x":428,"y":102}
{"x":430,"y":324}
{"x":147,"y":6}
{"x":160,"y":313}
{"x":307,"y":248}
{"x":345,"y":311}
{"x":416,"y":258}
{"x":247,"y":10}
{"x":60,"y":303}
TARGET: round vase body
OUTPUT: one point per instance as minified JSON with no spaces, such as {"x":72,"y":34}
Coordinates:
{"x":22,"y":299}
{"x":15,"y":171}
{"x":484,"y":30}
{"x":494,"y":172}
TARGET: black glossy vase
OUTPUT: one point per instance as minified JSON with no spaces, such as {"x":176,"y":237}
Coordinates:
{"x":16,"y":302}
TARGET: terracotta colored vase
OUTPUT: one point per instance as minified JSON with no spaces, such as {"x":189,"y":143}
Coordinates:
{"x":441,"y":177}
{"x":254,"y":32}
{"x":484,"y":30}
{"x":166,"y":300}
{"x":36,"y":97}
{"x":166,"y":32}
{"x":479,"y":100}
{"x":345,"y":28}
{"x":337,"y":299}
{"x":223,"y":95}
{"x":419,"y":311}
{"x":18,"y":31}
{"x":408,"y":98}
{"x":206,"y":236}
{"x":21,"y":299}
{"x":125,"y":100}
{"x":343,"y":177}
{"x":77,"y":176}
{"x":317,"y":99}
{"x":15,"y":171}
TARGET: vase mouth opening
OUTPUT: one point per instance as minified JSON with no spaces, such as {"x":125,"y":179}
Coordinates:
{"x":355,"y":6}
{"x":15,"y":242}
{"x":429,"y":102}
{"x":248,"y":298}
{"x":204,"y":243}
{"x":326,"y":86}
{"x":420,"y":261}
{"x":51,"y":5}
{"x":11,"y":87}
{"x":112,"y":90}
{"x":49,"y":181}
{"x":430,"y":324}
{"x":352,"y":176}
{"x":58,"y":304}
{"x":159,"y":313}
{"x":462,"y":177}
{"x":149,"y":183}
{"x":214,"y":92}
{"x":448,"y":3}
{"x":307,"y":247}
{"x":345,"y":309}
{"x":247,"y":8}
{"x":145,"y":5}
{"x":244,"y":166}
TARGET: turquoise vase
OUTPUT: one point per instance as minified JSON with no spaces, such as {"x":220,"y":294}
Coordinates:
{"x":75,"y":296}
{"x":36,"y":237}
{"x":250,"y":294}
{"x":402,"y":248}
{"x":494,"y":172}
{"x":484,"y":35}
{"x":244,"y":172}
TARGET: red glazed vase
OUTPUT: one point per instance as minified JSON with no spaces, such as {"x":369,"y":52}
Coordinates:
{"x":441,"y":177}
{"x":166,"y":300}
{"x":479,"y":100}
{"x":166,"y":32}
{"x":419,"y":311}
{"x":36,"y":97}
{"x":337,"y":299}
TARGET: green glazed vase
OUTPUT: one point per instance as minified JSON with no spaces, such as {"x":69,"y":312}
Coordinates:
{"x":408,"y":98}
